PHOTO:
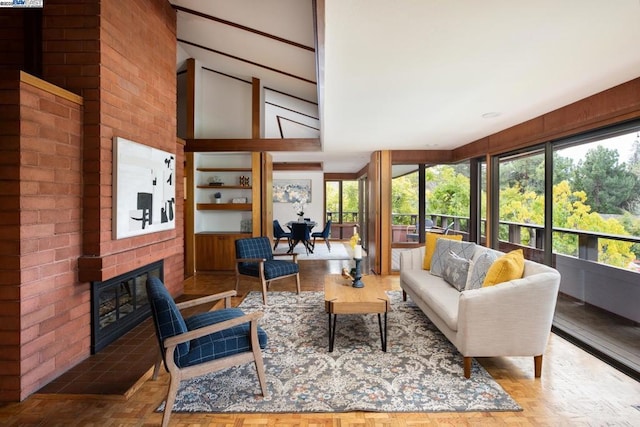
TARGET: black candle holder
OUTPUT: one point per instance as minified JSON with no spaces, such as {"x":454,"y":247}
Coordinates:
{"x":357,"y":282}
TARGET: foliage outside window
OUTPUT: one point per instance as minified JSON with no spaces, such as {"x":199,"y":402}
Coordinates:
{"x":596,"y":188}
{"x":341,"y":201}
{"x":593,"y":190}
{"x":404,"y":199}
{"x":448,"y":190}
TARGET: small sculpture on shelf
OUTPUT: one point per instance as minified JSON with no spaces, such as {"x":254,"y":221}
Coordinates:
{"x":244,"y":181}
{"x":215,"y":181}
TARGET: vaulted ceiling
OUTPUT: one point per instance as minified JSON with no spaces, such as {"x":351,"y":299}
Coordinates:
{"x":409,"y":74}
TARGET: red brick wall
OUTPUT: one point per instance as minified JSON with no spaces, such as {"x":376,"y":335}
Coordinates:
{"x":110,"y":55}
{"x":57,"y":215}
{"x":45,"y":309}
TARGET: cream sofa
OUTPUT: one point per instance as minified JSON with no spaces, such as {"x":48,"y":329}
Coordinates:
{"x":508,"y":319}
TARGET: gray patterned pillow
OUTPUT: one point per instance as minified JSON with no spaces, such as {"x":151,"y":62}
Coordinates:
{"x":478,"y":270}
{"x":443,"y":246}
{"x":455,"y":271}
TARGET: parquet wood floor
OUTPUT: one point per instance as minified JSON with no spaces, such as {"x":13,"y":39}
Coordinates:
{"x":575,"y":388}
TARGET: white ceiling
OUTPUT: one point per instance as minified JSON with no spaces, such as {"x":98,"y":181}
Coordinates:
{"x":420,"y":74}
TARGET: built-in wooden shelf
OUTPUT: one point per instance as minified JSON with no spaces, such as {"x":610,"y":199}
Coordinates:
{"x":223,"y":206}
{"x":227,"y":187}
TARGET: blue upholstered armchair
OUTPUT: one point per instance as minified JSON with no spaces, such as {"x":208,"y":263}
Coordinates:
{"x":255,"y":259}
{"x":205,"y":342}
{"x":324,"y":234}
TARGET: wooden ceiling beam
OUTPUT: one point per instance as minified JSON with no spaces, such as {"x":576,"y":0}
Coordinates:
{"x":297,"y":166}
{"x":409,"y":157}
{"x":340,"y":176}
{"x":261,"y":144}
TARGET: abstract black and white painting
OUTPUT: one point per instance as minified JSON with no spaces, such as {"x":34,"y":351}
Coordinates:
{"x":144,"y":189}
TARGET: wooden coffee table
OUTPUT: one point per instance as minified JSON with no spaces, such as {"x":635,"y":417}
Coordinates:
{"x":342,"y":298}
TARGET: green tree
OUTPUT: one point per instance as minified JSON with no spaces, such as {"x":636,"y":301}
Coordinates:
{"x":634,"y":162}
{"x":404,"y":198}
{"x":611,"y":186}
{"x":349,"y":200}
{"x":451,"y":195}
{"x":570,"y":210}
{"x":634,"y":167}
{"x":332,"y":201}
{"x":527,"y":173}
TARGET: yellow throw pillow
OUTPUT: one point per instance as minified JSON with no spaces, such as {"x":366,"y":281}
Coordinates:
{"x":508,"y":267}
{"x":430,"y":246}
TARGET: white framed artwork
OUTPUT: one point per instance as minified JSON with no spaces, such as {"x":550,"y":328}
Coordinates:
{"x":144,"y":189}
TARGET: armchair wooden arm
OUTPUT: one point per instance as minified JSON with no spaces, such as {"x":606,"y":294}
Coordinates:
{"x":294,"y":255}
{"x":209,"y":298}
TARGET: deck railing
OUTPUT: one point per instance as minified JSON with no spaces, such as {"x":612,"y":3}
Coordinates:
{"x":584,"y":275}
{"x":524,"y":234}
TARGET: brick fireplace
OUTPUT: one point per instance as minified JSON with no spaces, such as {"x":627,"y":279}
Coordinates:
{"x":120,"y":304}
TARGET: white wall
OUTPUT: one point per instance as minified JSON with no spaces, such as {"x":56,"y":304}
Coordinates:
{"x":225,"y":107}
{"x":284,"y":212}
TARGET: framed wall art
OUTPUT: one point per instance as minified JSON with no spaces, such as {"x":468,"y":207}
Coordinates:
{"x":292,"y":190}
{"x":144,"y":189}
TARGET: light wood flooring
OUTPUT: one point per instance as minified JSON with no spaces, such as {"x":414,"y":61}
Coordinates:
{"x":575,"y":388}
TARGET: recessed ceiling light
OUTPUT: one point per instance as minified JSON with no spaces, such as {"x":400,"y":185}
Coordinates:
{"x":490,"y":115}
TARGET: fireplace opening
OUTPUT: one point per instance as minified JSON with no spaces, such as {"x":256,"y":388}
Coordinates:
{"x":120,"y":304}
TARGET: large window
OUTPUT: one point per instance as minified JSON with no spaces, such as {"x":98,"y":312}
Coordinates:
{"x":577,"y":202}
{"x":444,"y":197}
{"x":597,"y":190}
{"x":342,"y":207}
{"x":521,"y":199}
{"x":447,"y":196}
{"x":596,"y":242}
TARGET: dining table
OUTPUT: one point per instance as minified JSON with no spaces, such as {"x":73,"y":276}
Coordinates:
{"x":307,"y":244}
{"x":310,"y":224}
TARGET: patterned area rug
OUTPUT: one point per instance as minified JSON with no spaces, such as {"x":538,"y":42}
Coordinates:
{"x":420,"y":372}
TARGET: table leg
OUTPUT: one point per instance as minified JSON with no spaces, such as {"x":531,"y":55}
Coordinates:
{"x":292,"y":246}
{"x":383,"y":336}
{"x":332,"y":331}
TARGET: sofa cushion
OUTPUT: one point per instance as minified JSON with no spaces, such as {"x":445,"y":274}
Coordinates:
{"x":430,"y":246}
{"x":441,"y":297}
{"x":455,"y":270}
{"x":478,"y":268}
{"x":508,"y":267}
{"x":443,"y":247}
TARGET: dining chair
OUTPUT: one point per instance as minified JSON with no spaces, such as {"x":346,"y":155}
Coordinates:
{"x":324,"y":234}
{"x":300,"y":233}
{"x":205,"y":342}
{"x":279,"y":233}
{"x":256,"y":260}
